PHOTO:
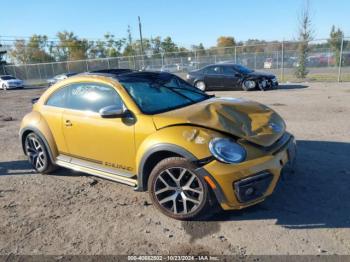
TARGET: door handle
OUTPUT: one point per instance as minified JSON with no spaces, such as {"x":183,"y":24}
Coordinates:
{"x":68,"y":123}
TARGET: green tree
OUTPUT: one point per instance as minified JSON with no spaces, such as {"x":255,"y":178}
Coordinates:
{"x":2,"y":54}
{"x":225,"y":44}
{"x":168,"y":46}
{"x":128,"y":51}
{"x":336,"y":36}
{"x":33,"y":51}
{"x":199,"y":49}
{"x":70,"y":47}
{"x":305,"y":36}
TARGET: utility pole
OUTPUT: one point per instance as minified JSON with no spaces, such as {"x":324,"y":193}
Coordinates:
{"x":340,"y":58}
{"x":140,"y":29}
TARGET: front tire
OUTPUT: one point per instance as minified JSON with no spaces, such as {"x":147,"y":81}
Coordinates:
{"x":177,"y":190}
{"x":38,"y":154}
{"x":201,"y":85}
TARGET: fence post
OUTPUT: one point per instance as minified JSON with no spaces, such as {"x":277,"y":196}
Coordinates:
{"x":26,"y":69}
{"x":340,"y":58}
{"x":108,"y":63}
{"x":133,"y":58}
{"x":39,"y":72}
{"x":282,"y":62}
{"x":67,"y":66}
{"x":87,"y":65}
{"x":53,"y":70}
{"x":14,"y":71}
{"x":254,"y":60}
{"x":235,"y":54}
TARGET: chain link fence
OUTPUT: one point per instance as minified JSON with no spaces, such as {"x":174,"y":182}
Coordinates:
{"x":323,"y":62}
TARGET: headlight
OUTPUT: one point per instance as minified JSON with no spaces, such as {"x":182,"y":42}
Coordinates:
{"x":188,"y":76}
{"x":227,"y":151}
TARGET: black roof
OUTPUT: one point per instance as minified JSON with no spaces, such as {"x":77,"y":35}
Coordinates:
{"x":134,"y":75}
{"x":147,"y":75}
{"x":114,"y":71}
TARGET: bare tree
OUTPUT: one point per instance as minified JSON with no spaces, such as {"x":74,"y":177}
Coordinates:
{"x":305,"y":35}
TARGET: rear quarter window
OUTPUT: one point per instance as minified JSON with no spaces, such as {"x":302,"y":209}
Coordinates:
{"x":58,"y":98}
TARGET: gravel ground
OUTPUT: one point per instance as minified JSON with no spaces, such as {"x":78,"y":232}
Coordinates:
{"x":71,"y":213}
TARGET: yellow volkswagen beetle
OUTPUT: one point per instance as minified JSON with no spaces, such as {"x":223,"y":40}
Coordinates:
{"x":155,"y":132}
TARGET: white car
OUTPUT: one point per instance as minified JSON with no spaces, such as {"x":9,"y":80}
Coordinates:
{"x":268,"y":63}
{"x":171,"y":68}
{"x":9,"y":82}
{"x":58,"y":78}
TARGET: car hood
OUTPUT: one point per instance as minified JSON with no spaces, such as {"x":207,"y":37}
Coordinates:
{"x":240,"y":118}
{"x":260,"y":74}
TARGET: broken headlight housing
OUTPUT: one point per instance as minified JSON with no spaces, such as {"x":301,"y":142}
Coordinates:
{"x":227,"y":151}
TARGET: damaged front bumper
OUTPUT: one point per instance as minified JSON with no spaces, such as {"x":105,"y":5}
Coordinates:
{"x":250,"y":182}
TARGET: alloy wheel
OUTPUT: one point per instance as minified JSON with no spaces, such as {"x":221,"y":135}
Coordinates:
{"x":178,"y":190}
{"x":35,"y":152}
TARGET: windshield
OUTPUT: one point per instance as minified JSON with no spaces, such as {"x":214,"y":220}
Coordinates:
{"x":242,"y":69}
{"x":7,"y":77}
{"x":161,"y":93}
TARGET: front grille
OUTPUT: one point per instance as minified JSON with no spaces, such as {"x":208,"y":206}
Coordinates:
{"x":251,"y":188}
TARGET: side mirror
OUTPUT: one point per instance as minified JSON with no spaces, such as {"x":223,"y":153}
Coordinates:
{"x":112,"y":112}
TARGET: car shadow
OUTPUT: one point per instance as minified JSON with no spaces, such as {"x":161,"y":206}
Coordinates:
{"x":317,"y":195}
{"x":289,"y":86}
{"x":19,"y":167}
{"x":23,"y":167}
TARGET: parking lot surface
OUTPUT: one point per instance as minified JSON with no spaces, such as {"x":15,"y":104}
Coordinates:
{"x":71,"y":213}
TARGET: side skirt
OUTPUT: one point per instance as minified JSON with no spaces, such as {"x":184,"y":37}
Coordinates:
{"x":92,"y":169}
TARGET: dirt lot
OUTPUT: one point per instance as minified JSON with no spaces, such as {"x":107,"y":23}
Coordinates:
{"x":68,"y":213}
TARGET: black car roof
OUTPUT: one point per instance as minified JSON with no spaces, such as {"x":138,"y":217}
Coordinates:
{"x":115,"y":71}
{"x":144,"y":75}
{"x":134,"y":75}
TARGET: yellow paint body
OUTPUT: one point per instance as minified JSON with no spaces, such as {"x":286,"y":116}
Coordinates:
{"x":191,"y":128}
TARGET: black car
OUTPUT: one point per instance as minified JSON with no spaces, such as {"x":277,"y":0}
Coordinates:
{"x":230,"y":76}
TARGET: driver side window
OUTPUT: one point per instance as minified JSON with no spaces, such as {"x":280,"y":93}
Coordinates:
{"x":229,"y":70}
{"x":214,"y":70}
{"x":85,"y":97}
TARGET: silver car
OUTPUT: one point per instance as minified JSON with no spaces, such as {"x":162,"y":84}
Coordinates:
{"x":10,"y":82}
{"x":58,"y":78}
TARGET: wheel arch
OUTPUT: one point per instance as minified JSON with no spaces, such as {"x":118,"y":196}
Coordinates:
{"x":50,"y":146}
{"x":153,"y":156}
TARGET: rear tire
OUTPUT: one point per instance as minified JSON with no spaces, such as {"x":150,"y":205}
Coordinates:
{"x":38,"y":155}
{"x":178,"y":191}
{"x":201,"y":85}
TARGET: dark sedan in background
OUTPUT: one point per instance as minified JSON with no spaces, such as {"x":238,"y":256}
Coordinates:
{"x":230,"y":76}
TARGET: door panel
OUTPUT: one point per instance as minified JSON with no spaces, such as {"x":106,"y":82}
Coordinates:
{"x":88,"y":136}
{"x":213,"y":77}
{"x":109,"y":142}
{"x":230,"y":78}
